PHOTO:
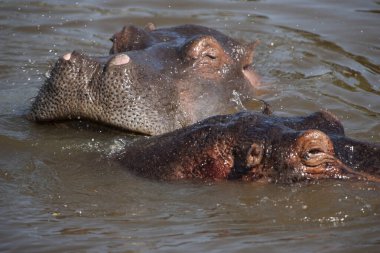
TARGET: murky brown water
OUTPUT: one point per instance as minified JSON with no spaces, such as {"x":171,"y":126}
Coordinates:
{"x":58,"y":191}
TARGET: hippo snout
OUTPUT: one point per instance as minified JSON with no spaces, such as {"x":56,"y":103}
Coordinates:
{"x":67,"y":90}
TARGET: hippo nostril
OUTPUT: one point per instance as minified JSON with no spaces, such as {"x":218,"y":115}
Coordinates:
{"x":119,"y":60}
{"x":67,"y":56}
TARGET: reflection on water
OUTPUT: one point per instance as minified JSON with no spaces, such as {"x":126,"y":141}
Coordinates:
{"x":58,"y":190}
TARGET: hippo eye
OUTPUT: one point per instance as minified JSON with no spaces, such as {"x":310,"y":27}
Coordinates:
{"x":212,"y":57}
{"x":314,"y":148}
{"x":312,"y":153}
{"x":315,"y":157}
{"x":200,"y":47}
{"x":210,"y":53}
{"x":315,"y":151}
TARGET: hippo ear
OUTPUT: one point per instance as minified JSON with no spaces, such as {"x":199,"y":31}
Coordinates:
{"x":255,"y":155}
{"x":249,"y":53}
{"x":150,"y":27}
{"x":204,"y":48}
{"x":128,"y":39}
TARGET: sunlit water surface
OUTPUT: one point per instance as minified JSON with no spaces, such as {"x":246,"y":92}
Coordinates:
{"x":60,"y":192}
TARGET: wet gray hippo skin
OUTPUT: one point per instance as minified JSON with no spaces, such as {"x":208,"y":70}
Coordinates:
{"x":153,"y":81}
{"x":255,"y":147}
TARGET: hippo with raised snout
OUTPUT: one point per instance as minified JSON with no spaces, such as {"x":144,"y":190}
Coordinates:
{"x":252,"y":146}
{"x":154,"y":80}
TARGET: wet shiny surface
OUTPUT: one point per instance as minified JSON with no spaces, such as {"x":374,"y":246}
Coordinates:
{"x":60,"y":192}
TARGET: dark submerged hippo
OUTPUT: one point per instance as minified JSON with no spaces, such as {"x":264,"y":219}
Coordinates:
{"x":154,"y":81}
{"x":252,"y":146}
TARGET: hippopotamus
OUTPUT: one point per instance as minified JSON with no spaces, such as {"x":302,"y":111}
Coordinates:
{"x":251,"y":146}
{"x":153,"y":81}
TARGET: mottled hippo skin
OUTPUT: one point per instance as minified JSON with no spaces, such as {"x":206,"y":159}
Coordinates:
{"x":252,"y":146}
{"x":154,"y":81}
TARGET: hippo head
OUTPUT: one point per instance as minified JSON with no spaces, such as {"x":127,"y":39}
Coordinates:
{"x":252,"y":146}
{"x":305,"y":155}
{"x":154,"y":81}
{"x":293,"y":149}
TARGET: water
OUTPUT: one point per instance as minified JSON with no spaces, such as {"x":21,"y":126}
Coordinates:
{"x":59,"y":192}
